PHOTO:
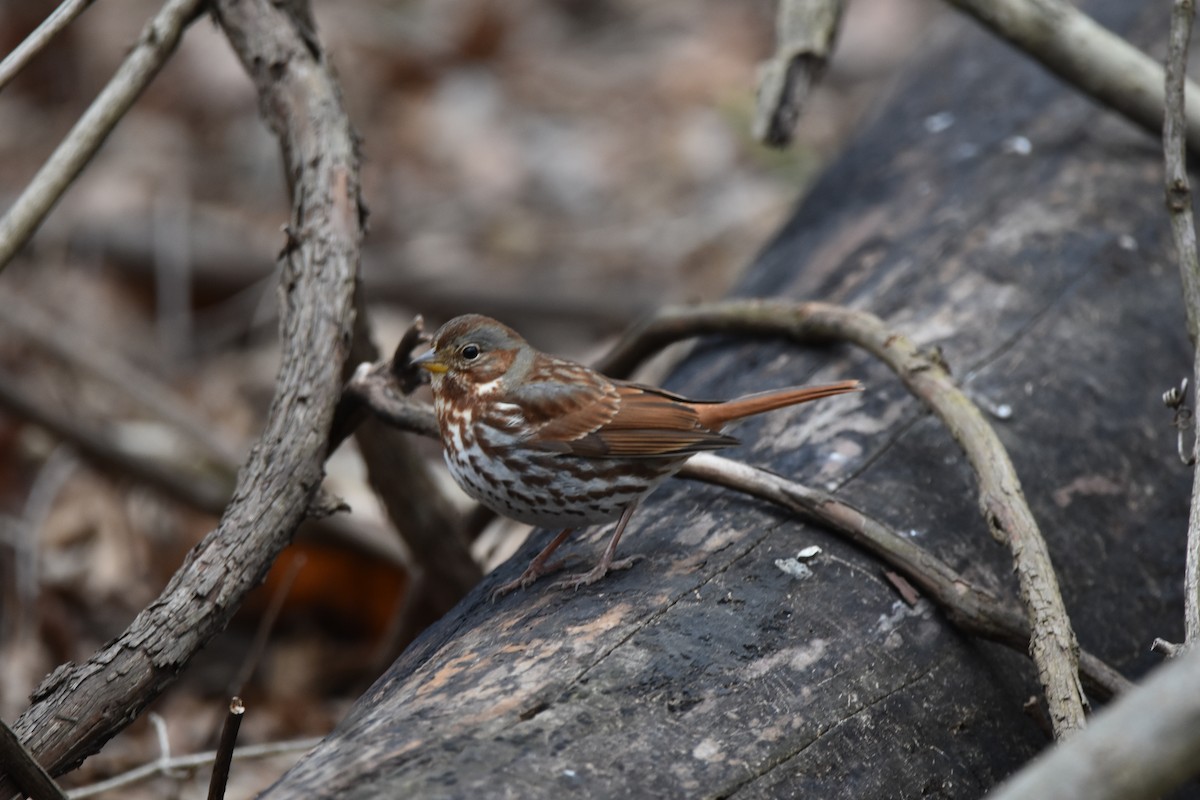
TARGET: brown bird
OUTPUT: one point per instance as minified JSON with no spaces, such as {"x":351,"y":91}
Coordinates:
{"x":554,"y":443}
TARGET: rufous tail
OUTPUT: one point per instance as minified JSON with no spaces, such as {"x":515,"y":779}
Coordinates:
{"x":715,"y":415}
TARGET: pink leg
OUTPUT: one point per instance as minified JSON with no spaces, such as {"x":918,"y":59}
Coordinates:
{"x":537,"y":568}
{"x":606,"y":563}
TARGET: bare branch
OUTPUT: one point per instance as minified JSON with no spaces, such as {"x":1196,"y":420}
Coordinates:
{"x":377,"y":387}
{"x":1183,"y":228}
{"x":1142,"y":746}
{"x":154,"y":47}
{"x":26,"y":772}
{"x":225,"y":748}
{"x":805,"y":31}
{"x":1178,"y":188}
{"x":194,"y":761}
{"x":42,"y":35}
{"x":1085,"y":54}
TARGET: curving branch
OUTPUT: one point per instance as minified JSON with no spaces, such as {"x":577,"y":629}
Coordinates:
{"x":1001,"y":499}
{"x":79,"y":707}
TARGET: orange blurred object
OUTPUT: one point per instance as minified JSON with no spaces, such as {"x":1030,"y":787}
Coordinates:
{"x":349,"y":593}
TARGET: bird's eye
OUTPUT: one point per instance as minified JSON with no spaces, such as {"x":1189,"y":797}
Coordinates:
{"x":470,"y":352}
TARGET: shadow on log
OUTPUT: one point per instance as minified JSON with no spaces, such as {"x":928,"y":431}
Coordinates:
{"x":1028,"y":241}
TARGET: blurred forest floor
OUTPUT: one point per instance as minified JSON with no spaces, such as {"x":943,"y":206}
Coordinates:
{"x":565,"y":165}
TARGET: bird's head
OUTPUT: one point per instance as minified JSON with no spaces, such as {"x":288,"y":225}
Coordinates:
{"x":471,"y":353}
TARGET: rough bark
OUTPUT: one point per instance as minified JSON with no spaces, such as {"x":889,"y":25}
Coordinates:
{"x":79,"y":707}
{"x":709,"y":671}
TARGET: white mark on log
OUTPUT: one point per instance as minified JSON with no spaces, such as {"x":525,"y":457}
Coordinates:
{"x":1017,"y":146}
{"x":798,"y":659}
{"x":936,"y":123}
{"x":901,"y":611}
{"x":707,"y":750}
{"x":792,"y":567}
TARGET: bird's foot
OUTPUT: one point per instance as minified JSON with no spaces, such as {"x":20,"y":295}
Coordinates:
{"x":595,"y":574}
{"x":527,"y":578}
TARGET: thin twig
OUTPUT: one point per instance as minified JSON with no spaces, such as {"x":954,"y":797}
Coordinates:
{"x":266,"y":625}
{"x":42,"y":35}
{"x":190,"y":762}
{"x":1183,"y":228}
{"x":1088,"y":56}
{"x":1143,"y":746}
{"x":398,"y":375}
{"x":377,"y":387}
{"x":1001,"y":499}
{"x":163,"y":737}
{"x":43,"y":494}
{"x":24,"y":769}
{"x":1167,"y":649}
{"x":154,"y":46}
{"x":224,"y":756}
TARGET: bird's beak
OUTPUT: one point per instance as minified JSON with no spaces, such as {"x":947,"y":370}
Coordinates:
{"x":428,"y":362}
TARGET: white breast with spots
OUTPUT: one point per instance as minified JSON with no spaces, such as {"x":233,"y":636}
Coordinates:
{"x":539,"y":488}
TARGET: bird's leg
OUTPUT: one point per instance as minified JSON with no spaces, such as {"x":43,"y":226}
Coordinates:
{"x":606,"y":563}
{"x":537,"y":568}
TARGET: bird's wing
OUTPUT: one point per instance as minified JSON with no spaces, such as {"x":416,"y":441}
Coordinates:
{"x":564,"y":409}
{"x":612,"y":419}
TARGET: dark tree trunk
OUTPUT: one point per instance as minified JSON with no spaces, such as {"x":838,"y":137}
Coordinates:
{"x":706,"y":670}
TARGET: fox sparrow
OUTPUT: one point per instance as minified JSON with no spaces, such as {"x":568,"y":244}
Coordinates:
{"x":554,"y":443}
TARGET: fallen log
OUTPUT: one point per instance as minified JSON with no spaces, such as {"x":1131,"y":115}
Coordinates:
{"x":993,"y":213}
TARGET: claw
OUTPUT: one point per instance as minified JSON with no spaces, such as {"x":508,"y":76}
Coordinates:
{"x":596,"y":573}
{"x":526,"y":579}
